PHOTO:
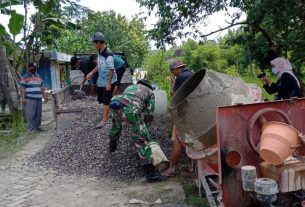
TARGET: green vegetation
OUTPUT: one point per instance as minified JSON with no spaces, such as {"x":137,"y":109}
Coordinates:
{"x":269,"y":28}
{"x":192,"y":194}
{"x":9,"y":142}
{"x":211,"y":55}
{"x":157,"y":69}
{"x":122,"y":35}
{"x":66,"y":26}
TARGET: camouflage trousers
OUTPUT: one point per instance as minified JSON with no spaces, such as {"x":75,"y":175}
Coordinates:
{"x":140,"y":134}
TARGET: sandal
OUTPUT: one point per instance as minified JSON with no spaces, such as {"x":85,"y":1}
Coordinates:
{"x":169,"y":174}
{"x":190,"y":167}
{"x":100,"y":125}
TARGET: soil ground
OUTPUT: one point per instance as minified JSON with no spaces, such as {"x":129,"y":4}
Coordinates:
{"x":21,"y":185}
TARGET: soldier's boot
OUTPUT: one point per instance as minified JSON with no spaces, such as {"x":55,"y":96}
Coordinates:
{"x":152,"y":174}
{"x":113,"y":146}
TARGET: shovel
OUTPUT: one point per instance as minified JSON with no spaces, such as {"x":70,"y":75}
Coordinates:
{"x":78,"y":90}
{"x":78,"y":94}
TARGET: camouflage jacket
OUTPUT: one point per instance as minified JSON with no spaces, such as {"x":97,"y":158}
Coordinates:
{"x":139,"y":96}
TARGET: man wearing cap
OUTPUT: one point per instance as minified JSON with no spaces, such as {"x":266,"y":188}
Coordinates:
{"x":31,"y":94}
{"x":180,"y":74}
{"x":136,"y":106}
{"x":106,"y":78}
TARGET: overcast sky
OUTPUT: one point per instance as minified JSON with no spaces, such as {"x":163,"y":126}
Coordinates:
{"x":129,"y":8}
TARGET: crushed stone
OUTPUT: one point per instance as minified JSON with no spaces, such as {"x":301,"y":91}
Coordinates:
{"x":81,"y":149}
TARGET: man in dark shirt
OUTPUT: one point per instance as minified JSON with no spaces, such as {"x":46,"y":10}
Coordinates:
{"x":180,"y":73}
{"x":86,"y":65}
{"x":77,"y":64}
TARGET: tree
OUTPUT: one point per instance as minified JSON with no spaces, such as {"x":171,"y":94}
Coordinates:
{"x":8,"y":83}
{"x":157,"y":68}
{"x":8,"y":78}
{"x":50,"y":22}
{"x":280,"y":22}
{"x":121,"y":35}
{"x":238,"y":51}
{"x":188,"y":47}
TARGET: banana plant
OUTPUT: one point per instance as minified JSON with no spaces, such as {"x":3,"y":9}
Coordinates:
{"x":16,"y":20}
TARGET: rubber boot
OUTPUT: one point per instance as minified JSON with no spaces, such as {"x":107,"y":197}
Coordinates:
{"x":152,"y":174}
{"x":113,"y":146}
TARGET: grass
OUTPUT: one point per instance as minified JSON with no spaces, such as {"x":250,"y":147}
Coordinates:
{"x":192,"y":194}
{"x":9,"y":142}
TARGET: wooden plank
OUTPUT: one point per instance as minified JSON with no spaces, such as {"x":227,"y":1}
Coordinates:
{"x":291,"y":173}
{"x":60,"y":111}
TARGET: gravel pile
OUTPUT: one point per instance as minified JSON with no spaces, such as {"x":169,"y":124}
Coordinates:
{"x":83,"y":150}
{"x":78,"y":94}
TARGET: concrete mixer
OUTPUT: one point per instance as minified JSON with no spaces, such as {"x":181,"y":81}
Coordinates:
{"x":222,"y":127}
{"x":193,"y":108}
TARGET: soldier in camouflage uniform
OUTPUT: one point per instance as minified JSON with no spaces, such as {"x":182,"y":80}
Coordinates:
{"x":135,"y":106}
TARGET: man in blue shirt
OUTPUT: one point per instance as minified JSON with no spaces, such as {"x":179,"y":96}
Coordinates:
{"x":31,"y":94}
{"x":107,"y":76}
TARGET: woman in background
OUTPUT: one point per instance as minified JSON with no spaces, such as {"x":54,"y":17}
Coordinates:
{"x":287,"y":84}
